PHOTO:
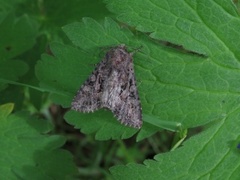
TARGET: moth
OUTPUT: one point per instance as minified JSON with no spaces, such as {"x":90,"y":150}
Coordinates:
{"x":112,"y":85}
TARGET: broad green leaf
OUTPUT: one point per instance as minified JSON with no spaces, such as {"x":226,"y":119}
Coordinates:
{"x":192,"y":89}
{"x":26,"y":153}
{"x":200,"y":26}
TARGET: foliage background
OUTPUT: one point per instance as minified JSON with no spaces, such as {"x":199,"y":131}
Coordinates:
{"x":187,"y":72}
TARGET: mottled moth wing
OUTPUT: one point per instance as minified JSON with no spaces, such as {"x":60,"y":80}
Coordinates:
{"x":112,"y":85}
{"x":120,"y":94}
{"x":88,"y":98}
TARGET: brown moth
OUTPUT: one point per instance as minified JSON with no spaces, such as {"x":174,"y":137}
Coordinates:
{"x":112,"y":85}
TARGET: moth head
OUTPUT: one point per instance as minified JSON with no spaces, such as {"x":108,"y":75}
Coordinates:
{"x":120,"y":57}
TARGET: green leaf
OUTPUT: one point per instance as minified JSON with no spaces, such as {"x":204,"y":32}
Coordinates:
{"x":89,"y":34}
{"x":102,"y":123}
{"x":193,"y":89}
{"x":59,"y":75}
{"x":17,"y":35}
{"x":10,"y":70}
{"x":26,"y":153}
{"x":197,"y":26}
{"x":6,"y":109}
